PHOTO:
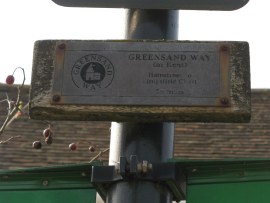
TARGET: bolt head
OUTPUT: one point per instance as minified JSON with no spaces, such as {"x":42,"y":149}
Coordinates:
{"x":224,"y":48}
{"x":62,"y":46}
{"x":45,"y":182}
{"x":56,"y":98}
{"x":224,"y":101}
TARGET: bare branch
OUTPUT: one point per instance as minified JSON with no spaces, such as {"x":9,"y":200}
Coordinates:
{"x":4,"y":100}
{"x":14,"y":117}
{"x":4,"y":125}
{"x":9,"y":139}
{"x":23,"y":74}
{"x":12,"y":111}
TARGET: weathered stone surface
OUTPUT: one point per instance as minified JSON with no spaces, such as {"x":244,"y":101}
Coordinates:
{"x":232,"y":105}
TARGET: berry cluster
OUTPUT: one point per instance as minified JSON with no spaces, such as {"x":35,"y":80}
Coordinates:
{"x":74,"y":146}
{"x":47,"y":133}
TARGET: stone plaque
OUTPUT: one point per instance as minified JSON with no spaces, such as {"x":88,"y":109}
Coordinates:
{"x":140,"y":81}
{"x":141,"y":73}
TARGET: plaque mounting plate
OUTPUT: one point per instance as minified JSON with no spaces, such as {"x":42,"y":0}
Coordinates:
{"x":140,"y":81}
{"x":141,"y":73}
{"x":157,"y":4}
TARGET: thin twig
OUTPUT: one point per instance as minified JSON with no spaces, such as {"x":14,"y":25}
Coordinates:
{"x":99,"y":155}
{"x":12,"y":111}
{"x":23,"y":74}
{"x":4,"y":100}
{"x":9,"y":139}
{"x":14,"y":117}
{"x":9,"y":103}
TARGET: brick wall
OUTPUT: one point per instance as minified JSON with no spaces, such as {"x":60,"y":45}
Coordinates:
{"x":192,"y":140}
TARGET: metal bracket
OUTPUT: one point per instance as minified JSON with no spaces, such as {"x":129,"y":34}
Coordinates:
{"x":168,"y":173}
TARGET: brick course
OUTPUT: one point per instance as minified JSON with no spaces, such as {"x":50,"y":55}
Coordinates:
{"x":192,"y":140}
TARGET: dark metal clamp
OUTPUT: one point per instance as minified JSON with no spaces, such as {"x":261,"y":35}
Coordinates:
{"x":167,"y":173}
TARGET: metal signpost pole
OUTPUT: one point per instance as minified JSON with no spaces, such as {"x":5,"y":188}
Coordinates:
{"x":126,"y":85}
{"x":151,"y":142}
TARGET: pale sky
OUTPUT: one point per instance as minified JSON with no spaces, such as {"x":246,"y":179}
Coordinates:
{"x":24,"y":22}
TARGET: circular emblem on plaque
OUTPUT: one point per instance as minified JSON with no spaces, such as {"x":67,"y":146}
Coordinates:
{"x":92,"y":72}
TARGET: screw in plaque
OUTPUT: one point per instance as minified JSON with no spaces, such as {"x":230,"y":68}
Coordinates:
{"x":56,"y":98}
{"x":224,"y":101}
{"x":62,"y":46}
{"x":224,"y":48}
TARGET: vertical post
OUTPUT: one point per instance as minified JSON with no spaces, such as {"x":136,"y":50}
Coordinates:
{"x":152,"y":142}
{"x":152,"y":24}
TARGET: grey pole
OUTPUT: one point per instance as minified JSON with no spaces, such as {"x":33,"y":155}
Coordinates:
{"x":152,"y":24}
{"x":152,"y":142}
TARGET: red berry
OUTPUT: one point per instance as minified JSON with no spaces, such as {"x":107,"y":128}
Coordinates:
{"x":49,"y":140}
{"x":72,"y":146}
{"x":37,"y":145}
{"x":10,"y":80}
{"x":92,"y":149}
{"x":47,"y":132}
